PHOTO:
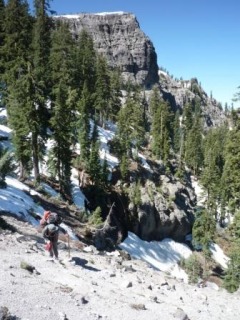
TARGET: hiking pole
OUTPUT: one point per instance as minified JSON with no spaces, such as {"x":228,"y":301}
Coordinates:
{"x":68,"y":246}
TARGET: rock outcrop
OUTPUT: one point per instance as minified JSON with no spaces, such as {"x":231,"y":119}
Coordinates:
{"x":165,"y":211}
{"x":119,"y":37}
{"x":180,"y":92}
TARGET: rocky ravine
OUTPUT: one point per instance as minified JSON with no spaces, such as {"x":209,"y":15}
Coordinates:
{"x":93,"y":285}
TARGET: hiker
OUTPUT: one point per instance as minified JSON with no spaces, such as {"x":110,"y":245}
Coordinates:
{"x":51,"y":232}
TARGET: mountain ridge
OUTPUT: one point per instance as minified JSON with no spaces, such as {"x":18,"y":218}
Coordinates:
{"x":123,"y":43}
{"x":119,"y":37}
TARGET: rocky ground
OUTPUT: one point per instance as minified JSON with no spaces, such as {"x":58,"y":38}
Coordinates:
{"x":93,"y":285}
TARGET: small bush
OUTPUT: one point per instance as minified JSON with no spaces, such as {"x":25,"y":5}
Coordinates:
{"x":26,"y":266}
{"x":232,"y":275}
{"x":193,"y":268}
{"x":96,"y":217}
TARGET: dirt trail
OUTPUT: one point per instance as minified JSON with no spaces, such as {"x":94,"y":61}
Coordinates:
{"x":93,"y":285}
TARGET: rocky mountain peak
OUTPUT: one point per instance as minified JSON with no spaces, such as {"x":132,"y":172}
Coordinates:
{"x":118,"y":36}
{"x":179,"y":92}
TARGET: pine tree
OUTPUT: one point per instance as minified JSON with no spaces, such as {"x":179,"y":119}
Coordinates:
{"x":177,"y":132}
{"x":16,"y":38}
{"x":6,"y":165}
{"x":155,"y":105}
{"x":137,"y":124}
{"x":115,"y":94}
{"x":2,"y":38}
{"x":144,"y":104}
{"x":232,"y":278}
{"x":41,"y":50}
{"x":62,"y":100}
{"x":85,"y":78}
{"x":20,"y":106}
{"x":83,"y":125}
{"x":17,"y":79}
{"x":94,"y":164}
{"x":237,"y":95}
{"x":136,"y":196}
{"x":155,"y":100}
{"x":188,"y":117}
{"x":85,"y":65}
{"x":124,"y":164}
{"x":232,"y":275}
{"x":203,"y":233}
{"x":231,"y":173}
{"x":213,"y":165}
{"x":162,"y":131}
{"x":130,"y":124}
{"x":193,"y":146}
{"x":104,"y":174}
{"x":102,"y":90}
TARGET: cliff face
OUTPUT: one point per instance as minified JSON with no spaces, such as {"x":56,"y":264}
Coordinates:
{"x":180,"y":92}
{"x":119,"y":37}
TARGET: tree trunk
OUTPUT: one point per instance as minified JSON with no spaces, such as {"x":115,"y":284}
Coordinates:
{"x":35,"y":157}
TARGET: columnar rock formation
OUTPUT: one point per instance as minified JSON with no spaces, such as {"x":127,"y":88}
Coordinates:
{"x":119,"y":37}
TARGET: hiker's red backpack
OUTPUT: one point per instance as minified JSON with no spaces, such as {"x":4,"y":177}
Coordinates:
{"x":43,"y":221}
{"x":50,"y":217}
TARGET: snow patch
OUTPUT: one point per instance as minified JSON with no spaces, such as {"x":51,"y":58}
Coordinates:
{"x":162,"y":255}
{"x":218,"y":255}
{"x":77,"y":16}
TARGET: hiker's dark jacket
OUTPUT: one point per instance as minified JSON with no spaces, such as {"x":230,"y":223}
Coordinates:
{"x":50,"y":231}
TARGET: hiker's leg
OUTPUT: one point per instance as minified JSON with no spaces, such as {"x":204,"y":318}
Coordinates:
{"x":55,"y":248}
{"x":51,"y":249}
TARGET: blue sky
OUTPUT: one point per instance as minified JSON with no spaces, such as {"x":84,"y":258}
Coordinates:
{"x":192,"y":38}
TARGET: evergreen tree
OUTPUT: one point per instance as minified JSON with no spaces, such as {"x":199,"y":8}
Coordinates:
{"x":155,"y":100}
{"x":123,"y":133}
{"x":41,"y":51}
{"x":17,"y":79}
{"x":83,"y":125}
{"x":177,"y":132}
{"x":193,"y":146}
{"x":213,"y":165}
{"x":94,"y":165}
{"x":6,"y":165}
{"x":62,"y":99}
{"x":145,"y":112}
{"x":124,"y":165}
{"x":203,"y":233}
{"x":136,"y":196}
{"x":130,"y":125}
{"x":102,"y":90}
{"x":104,"y":174}
{"x":16,"y":39}
{"x":237,"y":95}
{"x":85,"y":65}
{"x":115,"y":94}
{"x":162,"y":131}
{"x":231,"y":173}
{"x":20,"y":106}
{"x":2,"y":38}
{"x":232,"y":275}
{"x":137,"y":124}
{"x":188,"y":117}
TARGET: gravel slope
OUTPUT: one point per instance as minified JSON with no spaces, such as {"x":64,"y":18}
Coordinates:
{"x":91,"y":285}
